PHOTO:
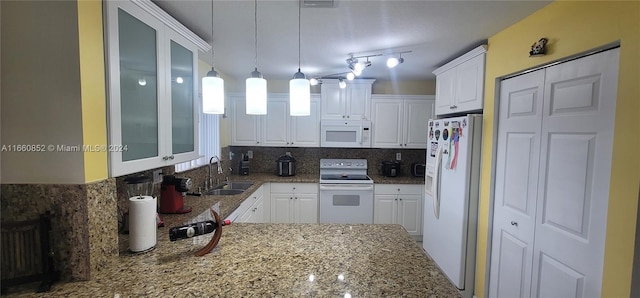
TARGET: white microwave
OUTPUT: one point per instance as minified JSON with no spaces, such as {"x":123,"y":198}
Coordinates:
{"x":345,"y":134}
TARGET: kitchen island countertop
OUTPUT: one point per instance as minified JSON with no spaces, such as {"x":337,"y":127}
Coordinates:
{"x":273,"y":260}
{"x":268,"y":260}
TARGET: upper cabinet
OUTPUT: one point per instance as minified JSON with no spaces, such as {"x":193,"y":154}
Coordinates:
{"x":400,"y":121}
{"x":277,"y":128}
{"x":350,"y":103}
{"x":460,"y":83}
{"x":152,"y":65}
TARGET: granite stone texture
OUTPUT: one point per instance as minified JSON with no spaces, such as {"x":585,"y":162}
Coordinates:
{"x":308,"y":159}
{"x":70,"y":231}
{"x":102,"y":214}
{"x":273,"y":260}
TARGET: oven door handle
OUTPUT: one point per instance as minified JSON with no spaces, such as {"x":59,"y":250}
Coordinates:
{"x":345,"y":187}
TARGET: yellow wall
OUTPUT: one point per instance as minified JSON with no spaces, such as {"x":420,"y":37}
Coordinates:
{"x":404,"y":87}
{"x":92,"y":88}
{"x":574,"y":27}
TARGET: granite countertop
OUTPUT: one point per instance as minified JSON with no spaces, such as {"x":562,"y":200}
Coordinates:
{"x":268,"y":260}
{"x":273,"y":260}
{"x":228,"y":203}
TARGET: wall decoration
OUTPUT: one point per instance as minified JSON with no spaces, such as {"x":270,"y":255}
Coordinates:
{"x":539,"y":48}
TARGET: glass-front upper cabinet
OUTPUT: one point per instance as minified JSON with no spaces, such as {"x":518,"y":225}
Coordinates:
{"x":153,"y":110}
{"x":138,"y":66}
{"x":183,"y":105}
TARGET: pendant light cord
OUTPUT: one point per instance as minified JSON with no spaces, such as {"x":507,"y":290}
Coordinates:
{"x":299,"y":7}
{"x":255,"y":23}
{"x":212,"y":34}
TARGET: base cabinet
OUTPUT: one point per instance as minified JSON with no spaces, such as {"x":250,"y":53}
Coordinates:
{"x":294,"y":203}
{"x":399,"y":204}
{"x":253,"y":209}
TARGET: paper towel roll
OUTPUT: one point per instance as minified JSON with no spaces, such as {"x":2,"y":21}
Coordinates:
{"x":142,"y":223}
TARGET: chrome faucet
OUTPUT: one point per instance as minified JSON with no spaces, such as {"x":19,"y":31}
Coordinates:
{"x":209,"y":178}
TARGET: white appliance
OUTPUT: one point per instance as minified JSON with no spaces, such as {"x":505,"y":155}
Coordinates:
{"x":346,"y":192}
{"x":345,"y":133}
{"x":451,"y":197}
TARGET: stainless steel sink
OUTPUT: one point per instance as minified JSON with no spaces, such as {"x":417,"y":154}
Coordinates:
{"x":223,"y":192}
{"x":243,"y":185}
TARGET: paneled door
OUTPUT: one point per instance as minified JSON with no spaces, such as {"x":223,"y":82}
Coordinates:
{"x":520,"y":121}
{"x":560,"y":252}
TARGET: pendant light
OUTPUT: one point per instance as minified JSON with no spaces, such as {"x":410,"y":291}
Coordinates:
{"x":212,"y":85}
{"x":256,"y":85}
{"x":299,"y":88}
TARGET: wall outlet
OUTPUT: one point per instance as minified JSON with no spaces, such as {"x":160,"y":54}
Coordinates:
{"x":157,"y":176}
{"x":250,"y":154}
{"x":230,"y":155}
{"x":398,"y":156}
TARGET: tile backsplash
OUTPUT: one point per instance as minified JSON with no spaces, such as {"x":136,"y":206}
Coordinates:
{"x":308,"y":159}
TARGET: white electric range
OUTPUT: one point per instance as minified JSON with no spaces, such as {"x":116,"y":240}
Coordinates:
{"x":346,"y":192}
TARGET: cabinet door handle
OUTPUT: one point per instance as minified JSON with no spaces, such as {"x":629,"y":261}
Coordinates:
{"x":514,"y":223}
{"x":291,"y":198}
{"x":257,"y":142}
{"x":405,"y":145}
{"x":165,"y":157}
{"x":171,"y":157}
{"x":395,"y":199}
{"x":347,"y":116}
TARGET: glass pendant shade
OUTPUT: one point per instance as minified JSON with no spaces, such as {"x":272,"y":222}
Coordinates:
{"x":299,"y":95}
{"x":212,"y":93}
{"x":256,"y":94}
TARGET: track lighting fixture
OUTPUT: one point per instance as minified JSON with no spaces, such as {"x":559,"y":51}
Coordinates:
{"x":393,"y":61}
{"x":358,"y":66}
{"x":314,"y":81}
{"x":342,"y":83}
{"x":351,"y":76}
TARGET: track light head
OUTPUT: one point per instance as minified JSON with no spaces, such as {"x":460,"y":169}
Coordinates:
{"x":393,"y":62}
{"x":342,"y":83}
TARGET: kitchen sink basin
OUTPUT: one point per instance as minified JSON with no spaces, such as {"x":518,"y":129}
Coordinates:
{"x":223,"y":192}
{"x":242,"y":185}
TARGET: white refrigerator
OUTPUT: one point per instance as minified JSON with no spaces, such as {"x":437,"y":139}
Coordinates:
{"x":451,"y":197}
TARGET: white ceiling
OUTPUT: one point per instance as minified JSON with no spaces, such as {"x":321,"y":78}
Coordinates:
{"x":435,"y":32}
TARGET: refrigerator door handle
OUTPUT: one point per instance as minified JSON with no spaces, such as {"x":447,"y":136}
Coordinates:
{"x":436,"y":182}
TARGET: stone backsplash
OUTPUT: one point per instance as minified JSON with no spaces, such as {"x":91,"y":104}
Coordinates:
{"x":83,"y":234}
{"x":308,"y":159}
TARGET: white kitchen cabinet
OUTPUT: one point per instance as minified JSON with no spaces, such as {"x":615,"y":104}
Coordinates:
{"x":294,"y":203}
{"x":254,"y":209}
{"x":460,"y":83}
{"x":350,"y":103}
{"x":399,"y":204}
{"x":281,"y":129}
{"x":255,"y":212}
{"x":153,"y":82}
{"x":400,"y":121}
{"x":245,"y":129}
{"x":277,"y":128}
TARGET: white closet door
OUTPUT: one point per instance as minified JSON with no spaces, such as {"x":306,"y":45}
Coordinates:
{"x":573,"y":191}
{"x":552,"y":179}
{"x":520,"y":121}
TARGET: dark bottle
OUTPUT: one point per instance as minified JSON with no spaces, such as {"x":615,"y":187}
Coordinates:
{"x":194,"y":229}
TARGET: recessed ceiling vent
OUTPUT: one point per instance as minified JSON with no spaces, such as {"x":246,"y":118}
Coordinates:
{"x":319,"y":3}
